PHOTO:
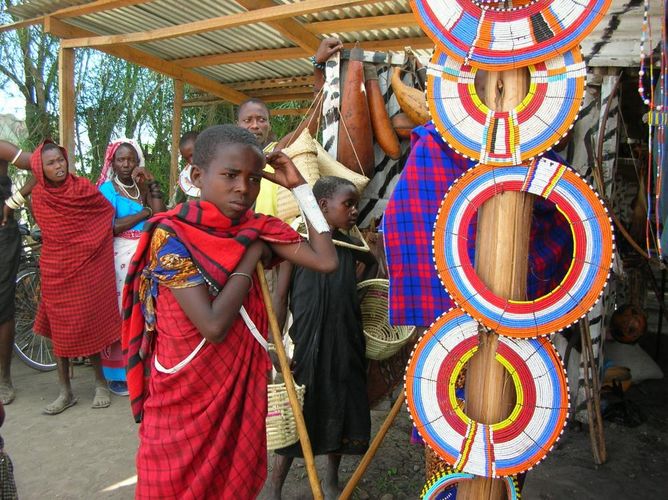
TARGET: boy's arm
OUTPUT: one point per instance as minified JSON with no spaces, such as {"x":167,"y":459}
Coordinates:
{"x":318,"y":253}
{"x":214,"y":318}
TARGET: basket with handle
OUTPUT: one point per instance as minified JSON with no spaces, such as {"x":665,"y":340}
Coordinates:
{"x":382,"y":339}
{"x":281,"y":425}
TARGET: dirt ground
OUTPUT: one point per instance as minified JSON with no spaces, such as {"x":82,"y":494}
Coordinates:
{"x":85,"y":453}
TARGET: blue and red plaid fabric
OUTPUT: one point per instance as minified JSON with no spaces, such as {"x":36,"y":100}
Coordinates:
{"x":417,"y":296}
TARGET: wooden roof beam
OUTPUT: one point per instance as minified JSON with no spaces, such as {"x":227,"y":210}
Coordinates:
{"x":263,"y":15}
{"x":273,"y":83}
{"x":242,"y":57}
{"x":362,"y":23}
{"x":64,"y":31}
{"x":289,"y":28}
{"x":74,"y":11}
{"x":94,"y":7}
{"x":297,"y":52}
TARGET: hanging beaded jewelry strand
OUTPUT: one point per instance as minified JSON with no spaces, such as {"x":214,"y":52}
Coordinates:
{"x":125,"y":187}
{"x":646,"y":40}
{"x":660,"y":121}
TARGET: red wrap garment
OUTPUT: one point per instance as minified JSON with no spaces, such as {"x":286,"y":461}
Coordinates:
{"x":78,"y":308}
{"x":202,"y":431}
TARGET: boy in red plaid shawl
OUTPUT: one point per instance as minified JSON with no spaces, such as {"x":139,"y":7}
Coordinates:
{"x":195,"y":322}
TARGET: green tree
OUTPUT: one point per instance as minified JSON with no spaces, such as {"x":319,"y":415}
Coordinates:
{"x":29,"y":59}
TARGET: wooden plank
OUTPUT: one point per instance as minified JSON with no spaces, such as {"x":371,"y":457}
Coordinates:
{"x":273,"y":112}
{"x":297,"y":52}
{"x":362,"y":23}
{"x":176,"y":137}
{"x":307,"y":92}
{"x":263,"y":15}
{"x":283,"y":97}
{"x":241,"y":57}
{"x":21,"y":24}
{"x":66,"y":101}
{"x":289,"y":28}
{"x":136,"y":56}
{"x":297,"y":81}
{"x":74,"y":11}
{"x":93,"y":7}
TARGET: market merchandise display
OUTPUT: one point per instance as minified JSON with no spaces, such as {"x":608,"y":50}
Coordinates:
{"x":510,"y":446}
{"x":442,"y":486}
{"x":477,"y":114}
{"x":496,"y":38}
{"x":537,"y":123}
{"x":593,"y":245}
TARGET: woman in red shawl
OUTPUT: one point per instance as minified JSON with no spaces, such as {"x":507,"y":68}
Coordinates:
{"x":78,"y":308}
{"x":195,"y":324}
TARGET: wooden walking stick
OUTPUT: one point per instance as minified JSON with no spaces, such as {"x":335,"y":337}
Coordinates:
{"x":290,"y":386}
{"x":371,"y":452}
{"x":592,"y":394}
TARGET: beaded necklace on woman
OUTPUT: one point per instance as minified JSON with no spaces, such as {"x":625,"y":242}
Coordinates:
{"x":124,"y":188}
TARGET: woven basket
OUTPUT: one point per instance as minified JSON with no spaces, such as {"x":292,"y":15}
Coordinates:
{"x":382,"y":340}
{"x":329,"y":166}
{"x":281,"y":425}
{"x":304,"y":155}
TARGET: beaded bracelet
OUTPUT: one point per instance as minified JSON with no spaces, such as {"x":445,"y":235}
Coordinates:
{"x":245,"y":275}
{"x":316,"y":64}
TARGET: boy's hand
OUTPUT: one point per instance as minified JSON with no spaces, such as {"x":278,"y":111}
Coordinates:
{"x":262,"y":251}
{"x":286,"y":173}
{"x":327,"y":48}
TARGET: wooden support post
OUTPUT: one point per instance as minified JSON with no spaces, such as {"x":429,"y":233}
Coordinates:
{"x":502,"y":249}
{"x":66,"y":102}
{"x":176,"y":136}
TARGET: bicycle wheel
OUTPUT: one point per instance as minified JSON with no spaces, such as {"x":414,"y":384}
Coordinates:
{"x":34,"y":350}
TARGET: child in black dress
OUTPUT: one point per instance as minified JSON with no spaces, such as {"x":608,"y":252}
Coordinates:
{"x":329,"y":343}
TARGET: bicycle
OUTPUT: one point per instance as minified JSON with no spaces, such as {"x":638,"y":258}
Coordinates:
{"x":34,"y":350}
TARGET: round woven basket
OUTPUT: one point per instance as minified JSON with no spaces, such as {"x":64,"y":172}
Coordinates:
{"x":281,"y":425}
{"x":382,"y":339}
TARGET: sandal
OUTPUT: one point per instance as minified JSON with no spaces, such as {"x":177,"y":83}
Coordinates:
{"x":102,"y":398}
{"x":60,"y":405}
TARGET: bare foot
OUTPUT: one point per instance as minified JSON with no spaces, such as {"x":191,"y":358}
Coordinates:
{"x":62,"y":403}
{"x":7,"y":392}
{"x":102,"y":397}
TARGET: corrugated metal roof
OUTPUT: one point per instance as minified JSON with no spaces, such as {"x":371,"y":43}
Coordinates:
{"x":615,"y":41}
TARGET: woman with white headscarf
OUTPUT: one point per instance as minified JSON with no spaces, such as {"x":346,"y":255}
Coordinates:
{"x":135,"y":196}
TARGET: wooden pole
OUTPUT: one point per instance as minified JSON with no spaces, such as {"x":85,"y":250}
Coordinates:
{"x":371,"y":452}
{"x":593,"y":394}
{"x":66,"y":102}
{"x":502,"y":249}
{"x":290,"y":386}
{"x":176,"y":136}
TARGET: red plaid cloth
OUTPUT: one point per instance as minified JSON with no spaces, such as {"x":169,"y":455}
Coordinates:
{"x":79,"y":306}
{"x":417,"y":296}
{"x":202,"y":431}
